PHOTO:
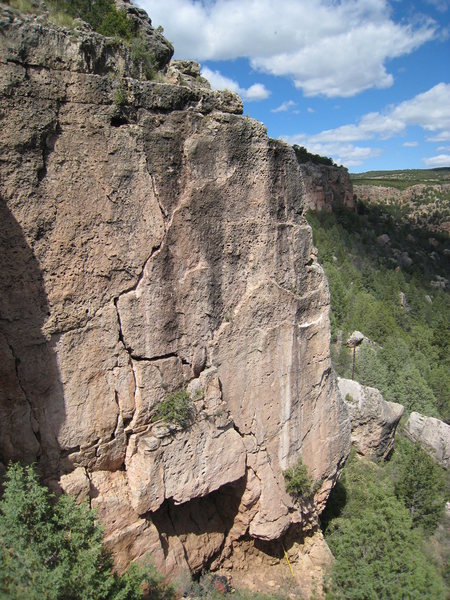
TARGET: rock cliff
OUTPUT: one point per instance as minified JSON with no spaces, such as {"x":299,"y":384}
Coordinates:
{"x":326,"y":187}
{"x":153,"y":241}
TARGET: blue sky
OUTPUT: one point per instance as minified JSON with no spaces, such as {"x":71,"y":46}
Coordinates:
{"x":366,"y":82}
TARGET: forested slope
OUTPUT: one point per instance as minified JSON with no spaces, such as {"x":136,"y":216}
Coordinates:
{"x":389,"y":281}
{"x":385,"y":523}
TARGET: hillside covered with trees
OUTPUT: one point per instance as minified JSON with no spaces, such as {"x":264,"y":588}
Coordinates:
{"x":385,"y":523}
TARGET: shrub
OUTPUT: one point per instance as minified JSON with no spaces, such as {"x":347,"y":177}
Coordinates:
{"x":298,"y":481}
{"x":378,"y":552}
{"x":143,"y":59}
{"x":419,"y":483}
{"x":177,"y":408}
{"x":53,"y":549}
{"x":120,"y":96}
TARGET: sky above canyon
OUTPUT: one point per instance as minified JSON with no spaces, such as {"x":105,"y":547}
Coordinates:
{"x":366,"y":82}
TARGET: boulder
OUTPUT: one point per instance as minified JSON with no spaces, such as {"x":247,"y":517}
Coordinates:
{"x":373,"y":420}
{"x":432,"y":434}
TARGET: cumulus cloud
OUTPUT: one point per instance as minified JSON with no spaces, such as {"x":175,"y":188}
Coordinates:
{"x":443,"y":136}
{"x":284,"y":106}
{"x":429,"y":110}
{"x":326,"y":48}
{"x":349,"y":155}
{"x":257,"y":91}
{"x":410,"y":144}
{"x":441,"y":160}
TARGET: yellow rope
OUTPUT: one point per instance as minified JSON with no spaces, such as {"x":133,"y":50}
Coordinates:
{"x":287,"y":560}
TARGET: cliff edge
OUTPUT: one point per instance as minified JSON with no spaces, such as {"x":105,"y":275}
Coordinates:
{"x":153,"y":242}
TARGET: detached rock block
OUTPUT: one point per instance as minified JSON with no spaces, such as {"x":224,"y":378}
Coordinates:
{"x":433,"y":435}
{"x":373,"y":420}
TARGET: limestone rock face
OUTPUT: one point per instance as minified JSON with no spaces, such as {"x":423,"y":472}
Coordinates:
{"x":326,"y":187}
{"x":373,"y":420}
{"x":432,"y":434}
{"x":145,"y":248}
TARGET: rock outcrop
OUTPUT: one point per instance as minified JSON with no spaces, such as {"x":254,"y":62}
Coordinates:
{"x":326,"y":187}
{"x":373,"y":420}
{"x":432,"y":434}
{"x":147,"y":246}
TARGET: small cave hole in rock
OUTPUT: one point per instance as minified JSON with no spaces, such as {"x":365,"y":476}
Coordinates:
{"x":119,"y":120}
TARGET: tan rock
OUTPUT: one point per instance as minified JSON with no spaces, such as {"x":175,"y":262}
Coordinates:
{"x":326,"y":187}
{"x":373,"y":420}
{"x":76,"y":484}
{"x":432,"y":434}
{"x":146,"y":248}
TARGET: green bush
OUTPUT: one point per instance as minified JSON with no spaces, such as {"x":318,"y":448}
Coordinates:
{"x":419,"y":483}
{"x":379,"y":554}
{"x":121,"y":96}
{"x":298,"y":481}
{"x":176,"y":408}
{"x":144,"y":60}
{"x":53,"y":549}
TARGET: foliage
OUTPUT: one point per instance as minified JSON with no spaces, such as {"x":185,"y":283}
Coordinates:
{"x":378,"y":552}
{"x":53,"y":549}
{"x":419,"y":483}
{"x":409,"y":359}
{"x":143,"y":59}
{"x":215,"y":587}
{"x":304,"y":156}
{"x":176,"y":408}
{"x":120,"y":96}
{"x":298,"y":481}
{"x":102,"y":16}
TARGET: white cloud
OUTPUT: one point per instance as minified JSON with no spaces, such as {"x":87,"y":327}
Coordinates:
{"x":348,"y":155}
{"x":443,"y":136}
{"x":443,"y":149}
{"x":410,"y":144}
{"x":441,"y":160}
{"x":310,"y":110}
{"x":440,"y":5}
{"x":284,"y":106}
{"x":429,"y":110}
{"x":257,"y":91}
{"x":326,"y":47}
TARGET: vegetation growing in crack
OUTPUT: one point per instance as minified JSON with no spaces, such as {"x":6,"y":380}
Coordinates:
{"x":177,"y":409}
{"x":298,"y":481}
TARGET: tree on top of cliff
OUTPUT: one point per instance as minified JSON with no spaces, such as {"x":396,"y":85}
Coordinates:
{"x":304,"y":156}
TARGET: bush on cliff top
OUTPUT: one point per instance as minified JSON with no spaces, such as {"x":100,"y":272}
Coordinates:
{"x":53,"y":549}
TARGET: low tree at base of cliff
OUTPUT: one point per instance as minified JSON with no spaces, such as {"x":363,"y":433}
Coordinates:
{"x":378,"y":552}
{"x":53,"y":549}
{"x":419,"y":483}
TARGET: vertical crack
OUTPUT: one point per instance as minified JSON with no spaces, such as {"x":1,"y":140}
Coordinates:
{"x":32,"y":417}
{"x":158,"y":200}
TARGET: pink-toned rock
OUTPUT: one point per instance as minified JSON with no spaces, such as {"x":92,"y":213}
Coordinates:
{"x":147,"y":248}
{"x":373,"y":420}
{"x":326,"y":187}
